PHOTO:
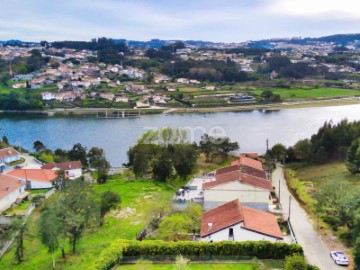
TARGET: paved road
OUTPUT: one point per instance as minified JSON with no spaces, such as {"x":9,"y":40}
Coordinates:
{"x":314,"y":249}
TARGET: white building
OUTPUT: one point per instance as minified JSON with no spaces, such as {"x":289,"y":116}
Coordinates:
{"x":48,"y":96}
{"x":73,"y":169}
{"x":34,"y":178}
{"x":11,"y":190}
{"x":234,"y":222}
{"x":8,"y":155}
{"x":252,"y":191}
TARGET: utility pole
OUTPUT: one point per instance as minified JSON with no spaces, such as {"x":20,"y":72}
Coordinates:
{"x":279,"y":190}
{"x":267,"y":145}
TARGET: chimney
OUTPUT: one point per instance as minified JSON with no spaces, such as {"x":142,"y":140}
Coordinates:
{"x":69,"y":166}
{"x":210,"y":226}
{"x":7,"y":187}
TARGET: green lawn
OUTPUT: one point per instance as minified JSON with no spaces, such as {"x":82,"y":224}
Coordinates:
{"x":119,"y":224}
{"x":190,"y":267}
{"x":311,"y":93}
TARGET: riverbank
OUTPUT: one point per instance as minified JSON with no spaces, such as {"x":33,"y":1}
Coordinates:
{"x":93,"y":112}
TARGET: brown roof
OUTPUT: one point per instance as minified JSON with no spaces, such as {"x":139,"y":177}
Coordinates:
{"x":8,"y":181}
{"x":34,"y":174}
{"x":70,"y":165}
{"x":221,"y":217}
{"x":241,"y":177}
{"x":244,"y":169}
{"x":8,"y":152}
{"x":248,"y":162}
{"x":233,"y":213}
{"x":260,"y":221}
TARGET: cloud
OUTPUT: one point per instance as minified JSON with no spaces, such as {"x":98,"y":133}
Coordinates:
{"x":226,"y":20}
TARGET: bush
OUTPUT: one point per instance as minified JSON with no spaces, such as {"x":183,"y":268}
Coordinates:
{"x":160,"y":250}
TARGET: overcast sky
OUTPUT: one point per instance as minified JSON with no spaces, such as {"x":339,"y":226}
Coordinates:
{"x":212,"y":20}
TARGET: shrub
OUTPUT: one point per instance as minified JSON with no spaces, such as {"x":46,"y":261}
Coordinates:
{"x":160,"y":250}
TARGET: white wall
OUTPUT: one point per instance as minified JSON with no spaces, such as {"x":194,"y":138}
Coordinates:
{"x":73,"y":174}
{"x":11,"y":158}
{"x":240,"y":234}
{"x":7,"y":201}
{"x":39,"y":185}
{"x":236,"y":190}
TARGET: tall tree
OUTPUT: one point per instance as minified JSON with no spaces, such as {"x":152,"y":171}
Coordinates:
{"x":78,"y":152}
{"x":184,"y":159}
{"x":60,"y":181}
{"x":98,"y":161}
{"x":18,"y":229}
{"x":50,"y":228}
{"x":38,"y":146}
{"x":78,"y":208}
{"x":353,"y":157}
{"x":162,"y":167}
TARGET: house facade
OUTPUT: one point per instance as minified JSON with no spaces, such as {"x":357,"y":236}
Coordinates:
{"x":251,"y":191}
{"x":235,"y":222}
{"x":73,"y":169}
{"x":35,"y":178}
{"x":11,"y":189}
{"x":8,"y":155}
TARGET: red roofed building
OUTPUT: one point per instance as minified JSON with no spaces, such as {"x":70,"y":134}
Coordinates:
{"x":8,"y":155}
{"x":35,"y":178}
{"x":250,"y":190}
{"x":235,"y":222}
{"x":248,"y":162}
{"x":12,"y":190}
{"x":73,"y":169}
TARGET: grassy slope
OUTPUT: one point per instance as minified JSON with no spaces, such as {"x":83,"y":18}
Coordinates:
{"x":190,"y":267}
{"x":92,"y":243}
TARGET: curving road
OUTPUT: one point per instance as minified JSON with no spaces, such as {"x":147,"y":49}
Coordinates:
{"x":315,"y":250}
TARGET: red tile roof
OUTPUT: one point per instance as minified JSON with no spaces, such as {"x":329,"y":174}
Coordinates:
{"x":11,"y":182}
{"x":34,"y":174}
{"x":260,"y":221}
{"x":244,"y":169}
{"x":70,"y":165}
{"x":248,"y":162}
{"x":8,"y":152}
{"x":233,"y":213}
{"x":221,"y":217}
{"x":241,"y":177}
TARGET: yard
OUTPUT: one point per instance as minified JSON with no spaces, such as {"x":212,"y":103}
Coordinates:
{"x":122,"y":223}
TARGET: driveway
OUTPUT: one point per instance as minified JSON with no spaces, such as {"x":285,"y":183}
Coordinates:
{"x":30,"y":162}
{"x":315,"y":250}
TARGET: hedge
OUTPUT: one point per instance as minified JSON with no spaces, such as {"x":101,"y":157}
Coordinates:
{"x":159,"y":250}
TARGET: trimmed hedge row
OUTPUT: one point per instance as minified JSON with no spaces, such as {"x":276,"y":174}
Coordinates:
{"x":122,"y":249}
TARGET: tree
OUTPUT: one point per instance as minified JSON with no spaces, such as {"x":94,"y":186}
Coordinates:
{"x":108,"y":201}
{"x":78,"y":208}
{"x":225,"y":146}
{"x":50,"y":228}
{"x":353,"y":157}
{"x":5,"y":140}
{"x":303,"y":150}
{"x":357,"y":252}
{"x":38,"y":146}
{"x":184,"y":159}
{"x":98,"y":161}
{"x":162,"y":168}
{"x":18,"y":229}
{"x":173,"y":227}
{"x":207,"y":147}
{"x":278,"y":151}
{"x":60,"y":181}
{"x":295,"y":262}
{"x":78,"y":152}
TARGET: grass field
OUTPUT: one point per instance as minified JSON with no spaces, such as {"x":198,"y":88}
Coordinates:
{"x":190,"y":267}
{"x":123,"y":223}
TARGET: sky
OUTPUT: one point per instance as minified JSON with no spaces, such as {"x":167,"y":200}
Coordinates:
{"x":210,"y":20}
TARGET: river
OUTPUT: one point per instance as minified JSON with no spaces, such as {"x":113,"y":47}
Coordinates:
{"x":249,"y":128}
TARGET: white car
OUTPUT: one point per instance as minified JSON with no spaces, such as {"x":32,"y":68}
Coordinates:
{"x":339,"y":258}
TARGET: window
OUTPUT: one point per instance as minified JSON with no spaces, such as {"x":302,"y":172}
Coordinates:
{"x":231,"y":234}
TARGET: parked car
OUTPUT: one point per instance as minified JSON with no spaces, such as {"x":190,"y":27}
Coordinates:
{"x":339,"y":258}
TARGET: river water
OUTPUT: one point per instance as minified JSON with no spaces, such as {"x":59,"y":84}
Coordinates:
{"x":250,"y":128}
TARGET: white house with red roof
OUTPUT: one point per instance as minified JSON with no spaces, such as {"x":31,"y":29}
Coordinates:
{"x":12,"y":190}
{"x":235,"y":222}
{"x":73,"y":169}
{"x":35,"y":178}
{"x":8,"y":155}
{"x":252,"y":191}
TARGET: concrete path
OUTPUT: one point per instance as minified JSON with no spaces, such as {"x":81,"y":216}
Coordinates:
{"x":315,"y":250}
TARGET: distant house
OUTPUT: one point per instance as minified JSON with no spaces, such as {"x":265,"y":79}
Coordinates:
{"x":242,"y":169}
{"x":48,"y":96}
{"x":250,"y":190}
{"x":234,"y":222}
{"x":35,"y":178}
{"x":12,"y":190}
{"x":73,"y":169}
{"x":243,"y":160}
{"x":121,"y":99}
{"x":107,"y":96}
{"x":8,"y":155}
